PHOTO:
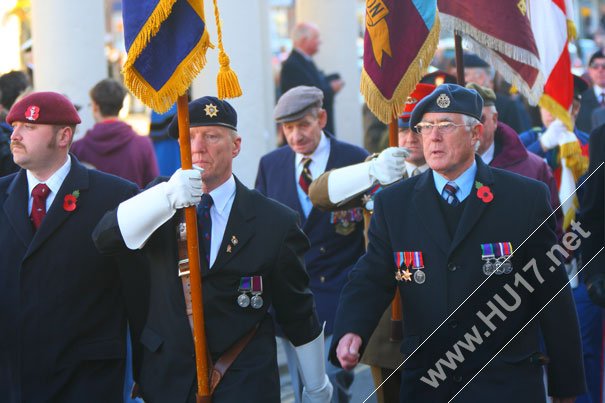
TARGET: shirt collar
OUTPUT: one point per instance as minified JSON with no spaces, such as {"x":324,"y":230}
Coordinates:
{"x":488,"y":155}
{"x":464,"y":181}
{"x":409,"y":167}
{"x":55,"y":181}
{"x":306,"y":56}
{"x":222,"y":194}
{"x":598,"y":91}
{"x":322,"y":148}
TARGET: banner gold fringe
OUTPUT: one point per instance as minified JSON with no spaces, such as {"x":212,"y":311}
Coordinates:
{"x":226,"y":81}
{"x":572,"y":32}
{"x":557,"y":110}
{"x":574,"y":160}
{"x":181,"y":79}
{"x":387,"y":109}
{"x":570,"y":214}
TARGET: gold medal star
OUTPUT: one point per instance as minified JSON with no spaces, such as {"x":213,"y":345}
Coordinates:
{"x":407,"y":275}
{"x":211,"y":110}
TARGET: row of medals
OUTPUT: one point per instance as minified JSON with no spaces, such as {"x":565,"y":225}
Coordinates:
{"x":256,"y":301}
{"x":419,"y":276}
{"x":497,"y":265}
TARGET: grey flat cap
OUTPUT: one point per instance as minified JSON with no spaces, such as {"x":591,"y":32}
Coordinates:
{"x":296,"y":102}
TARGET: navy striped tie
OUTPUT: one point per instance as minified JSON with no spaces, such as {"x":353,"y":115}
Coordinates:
{"x":205,"y":223}
{"x":449,"y":194}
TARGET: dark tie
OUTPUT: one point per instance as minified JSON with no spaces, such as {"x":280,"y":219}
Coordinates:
{"x":204,"y":223}
{"x":449,"y":193}
{"x":305,"y":178}
{"x":39,"y":194}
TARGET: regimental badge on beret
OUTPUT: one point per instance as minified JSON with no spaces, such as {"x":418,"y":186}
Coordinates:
{"x":443,"y":101}
{"x":211,"y":110}
{"x":411,"y":100}
{"x":32,"y":113}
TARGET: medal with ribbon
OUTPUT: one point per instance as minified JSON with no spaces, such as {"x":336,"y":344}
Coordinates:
{"x":257,"y":289}
{"x":495,"y":256}
{"x":418,"y":265}
{"x":245,"y":285}
{"x":401,"y":274}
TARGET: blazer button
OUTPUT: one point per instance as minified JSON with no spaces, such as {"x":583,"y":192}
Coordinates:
{"x":454,"y":324}
{"x":451,"y":266}
{"x":457,"y":378}
{"x":322,"y":279}
{"x":322,"y":250}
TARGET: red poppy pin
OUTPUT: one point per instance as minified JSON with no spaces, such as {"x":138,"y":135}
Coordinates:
{"x":484,"y":192}
{"x":69,"y":202}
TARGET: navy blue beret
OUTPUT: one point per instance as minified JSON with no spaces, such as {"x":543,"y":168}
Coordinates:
{"x":207,"y":111}
{"x":449,"y":98}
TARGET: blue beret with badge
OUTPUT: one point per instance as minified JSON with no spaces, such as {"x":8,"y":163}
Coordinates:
{"x":449,"y":98}
{"x":207,"y":111}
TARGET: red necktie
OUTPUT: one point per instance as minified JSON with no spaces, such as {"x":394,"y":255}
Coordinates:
{"x":39,"y":194}
{"x":305,"y":178}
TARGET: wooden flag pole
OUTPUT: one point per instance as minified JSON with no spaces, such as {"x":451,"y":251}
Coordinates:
{"x":459,"y":60}
{"x":396,"y":310}
{"x":199,"y":327}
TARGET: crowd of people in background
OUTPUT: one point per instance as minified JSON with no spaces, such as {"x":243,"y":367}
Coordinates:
{"x":341,"y":214}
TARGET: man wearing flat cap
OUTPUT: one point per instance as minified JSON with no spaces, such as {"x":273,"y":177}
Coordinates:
{"x":456,"y":241}
{"x":251,"y":258}
{"x":336,"y":238}
{"x":62,"y":308}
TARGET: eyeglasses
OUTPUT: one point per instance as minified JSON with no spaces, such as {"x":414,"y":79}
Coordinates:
{"x":597,"y":66}
{"x":442,"y":127}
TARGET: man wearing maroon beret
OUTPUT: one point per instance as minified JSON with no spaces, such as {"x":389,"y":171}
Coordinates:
{"x":61,"y":307}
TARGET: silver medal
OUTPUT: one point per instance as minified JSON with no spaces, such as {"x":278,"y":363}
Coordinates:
{"x":498,"y":266}
{"x":257,"y":301}
{"x":419,"y":277}
{"x":507,"y":267}
{"x":488,"y":268}
{"x":243,"y":300}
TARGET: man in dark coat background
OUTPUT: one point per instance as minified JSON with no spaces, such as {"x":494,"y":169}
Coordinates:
{"x":62,"y":305}
{"x":300,"y":69}
{"x":461,"y":312}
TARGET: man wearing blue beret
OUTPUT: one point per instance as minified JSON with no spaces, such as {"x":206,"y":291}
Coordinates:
{"x":474,"y":263}
{"x":247,"y":266}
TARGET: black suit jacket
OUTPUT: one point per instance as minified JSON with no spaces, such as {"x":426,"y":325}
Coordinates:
{"x":61,"y":303}
{"x":271,"y":245}
{"x":407,"y":217}
{"x":588,"y":104}
{"x":297,"y":70}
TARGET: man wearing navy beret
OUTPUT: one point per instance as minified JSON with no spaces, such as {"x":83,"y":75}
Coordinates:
{"x":62,"y":309}
{"x":251,"y":258}
{"x":460,"y":245}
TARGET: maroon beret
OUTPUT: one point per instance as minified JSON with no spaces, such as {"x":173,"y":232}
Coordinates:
{"x":44,"y":108}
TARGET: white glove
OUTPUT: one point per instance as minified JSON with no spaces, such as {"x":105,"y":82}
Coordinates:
{"x":389,"y":166}
{"x":317,"y":387}
{"x":184,"y":188}
{"x":553,"y":135}
{"x":141,"y":215}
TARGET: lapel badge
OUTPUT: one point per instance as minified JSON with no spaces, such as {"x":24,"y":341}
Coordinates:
{"x":228,"y":248}
{"x":234,"y":240}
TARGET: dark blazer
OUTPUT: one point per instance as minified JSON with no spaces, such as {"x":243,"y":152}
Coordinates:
{"x":332,"y":255}
{"x":61,"y":306}
{"x":407,"y":217}
{"x":592,"y":213}
{"x":588,"y":104}
{"x":271,"y":245}
{"x":298,"y":70}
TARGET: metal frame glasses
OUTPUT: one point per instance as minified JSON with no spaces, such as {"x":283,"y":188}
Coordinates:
{"x":442,"y":127}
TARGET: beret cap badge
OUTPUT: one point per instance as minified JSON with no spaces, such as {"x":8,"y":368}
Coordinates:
{"x":32,"y":113}
{"x":443,"y":101}
{"x":211,"y":110}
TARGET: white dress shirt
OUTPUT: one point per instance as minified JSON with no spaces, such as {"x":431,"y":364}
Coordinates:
{"x":222,"y":201}
{"x":319,"y":161}
{"x":54,"y":184}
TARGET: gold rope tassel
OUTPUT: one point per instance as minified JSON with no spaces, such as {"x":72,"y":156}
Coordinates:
{"x":226,"y":81}
{"x":575,"y":161}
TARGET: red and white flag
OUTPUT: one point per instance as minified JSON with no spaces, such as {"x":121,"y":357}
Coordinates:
{"x":551,"y":24}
